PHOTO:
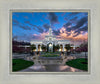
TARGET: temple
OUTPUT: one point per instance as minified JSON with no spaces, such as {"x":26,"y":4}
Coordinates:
{"x":49,"y":41}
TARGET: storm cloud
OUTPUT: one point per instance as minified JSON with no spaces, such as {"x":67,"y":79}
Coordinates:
{"x":67,"y":24}
{"x":53,"y":18}
{"x":80,"y":23}
{"x":20,"y":25}
{"x":15,"y":22}
{"x":73,"y":13}
{"x":78,"y":27}
{"x":35,"y":27}
{"x":46,"y":26}
{"x":25,"y":27}
{"x":56,"y":32}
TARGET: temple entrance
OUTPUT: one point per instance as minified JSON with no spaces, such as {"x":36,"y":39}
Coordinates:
{"x":50,"y":47}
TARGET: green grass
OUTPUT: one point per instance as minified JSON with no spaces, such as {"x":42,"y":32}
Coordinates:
{"x":19,"y":64}
{"x":80,"y":63}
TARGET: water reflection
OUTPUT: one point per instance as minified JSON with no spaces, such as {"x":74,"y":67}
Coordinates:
{"x":52,"y":68}
{"x":69,"y":69}
{"x":38,"y":67}
{"x":63,"y":67}
{"x":72,"y":69}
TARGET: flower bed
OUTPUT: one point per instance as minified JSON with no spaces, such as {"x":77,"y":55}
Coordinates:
{"x":50,"y":55}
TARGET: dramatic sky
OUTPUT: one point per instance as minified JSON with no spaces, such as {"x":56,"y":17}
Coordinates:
{"x":28,"y":26}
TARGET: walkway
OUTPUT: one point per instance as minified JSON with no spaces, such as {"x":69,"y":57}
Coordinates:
{"x":51,"y":68}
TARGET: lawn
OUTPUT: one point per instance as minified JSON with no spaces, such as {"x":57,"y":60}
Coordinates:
{"x":19,"y":64}
{"x":80,"y":63}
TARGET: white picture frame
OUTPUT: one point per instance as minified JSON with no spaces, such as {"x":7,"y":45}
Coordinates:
{"x":49,"y":10}
{"x":7,"y":78}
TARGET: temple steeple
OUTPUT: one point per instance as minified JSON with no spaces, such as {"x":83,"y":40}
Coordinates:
{"x":50,"y":31}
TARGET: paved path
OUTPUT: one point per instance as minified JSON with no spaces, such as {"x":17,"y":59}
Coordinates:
{"x":51,"y":68}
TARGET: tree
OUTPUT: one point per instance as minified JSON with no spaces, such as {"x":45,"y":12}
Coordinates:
{"x":78,"y":49}
{"x":68,"y":47}
{"x":43,"y":47}
{"x":55,"y":47}
{"x":83,"y":48}
{"x":33,"y":47}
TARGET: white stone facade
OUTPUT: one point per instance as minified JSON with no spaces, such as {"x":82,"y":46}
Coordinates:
{"x":50,"y":39}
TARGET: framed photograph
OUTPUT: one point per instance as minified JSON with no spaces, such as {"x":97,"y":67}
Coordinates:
{"x":49,"y":42}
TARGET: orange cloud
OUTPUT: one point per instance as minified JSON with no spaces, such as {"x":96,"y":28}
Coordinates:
{"x":78,"y":39}
{"x":41,"y":35}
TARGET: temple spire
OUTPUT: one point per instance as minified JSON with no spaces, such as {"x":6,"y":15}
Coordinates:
{"x":50,"y":31}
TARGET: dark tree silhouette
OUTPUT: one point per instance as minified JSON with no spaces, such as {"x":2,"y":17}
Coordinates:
{"x":33,"y":47}
{"x":44,"y":47}
{"x":68,"y":47}
{"x":56,"y":47}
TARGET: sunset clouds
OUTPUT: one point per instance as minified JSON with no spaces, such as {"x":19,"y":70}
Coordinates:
{"x":71,"y":26}
{"x":73,"y":39}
